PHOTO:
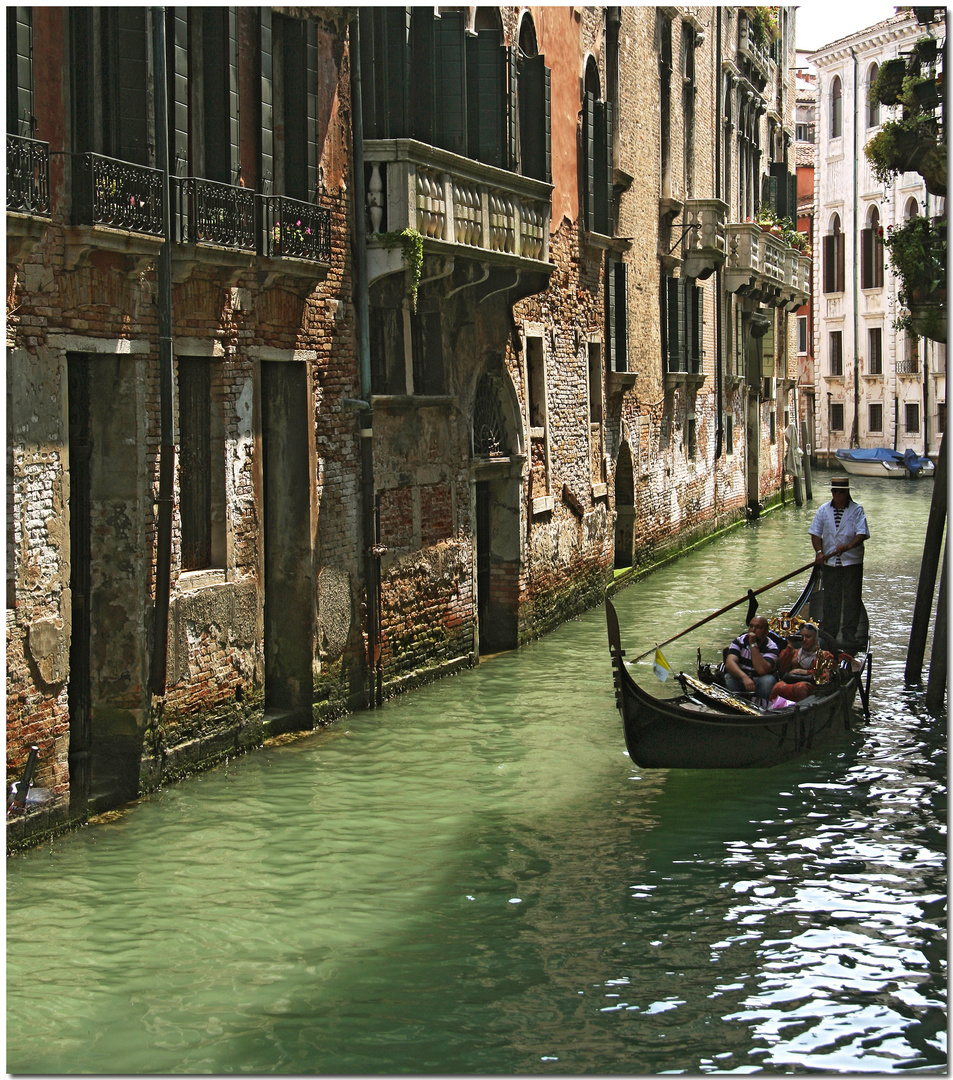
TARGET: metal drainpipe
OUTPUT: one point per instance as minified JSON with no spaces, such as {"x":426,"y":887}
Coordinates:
{"x":163,"y":568}
{"x":366,"y":416}
{"x":719,"y":313}
{"x":855,"y":426}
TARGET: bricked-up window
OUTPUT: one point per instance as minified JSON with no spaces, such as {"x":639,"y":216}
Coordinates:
{"x":109,"y":79}
{"x":911,"y":418}
{"x":834,"y":257}
{"x":289,"y":106}
{"x":617,"y":312}
{"x":875,"y":351}
{"x":201,"y":465}
{"x":873,"y":103}
{"x":872,"y":253}
{"x":835,"y":343}
{"x":20,"y":118}
{"x":875,"y":418}
{"x":836,"y":109}
{"x":837,"y":416}
{"x":683,"y":302}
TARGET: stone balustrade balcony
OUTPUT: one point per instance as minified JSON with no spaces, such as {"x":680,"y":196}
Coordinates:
{"x":706,"y":244}
{"x":749,"y":48}
{"x":460,"y":207}
{"x":761,"y":265}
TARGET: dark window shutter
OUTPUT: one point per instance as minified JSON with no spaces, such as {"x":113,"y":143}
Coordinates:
{"x":676,"y":323}
{"x":866,"y":258}
{"x":267,"y":102}
{"x":830,"y":263}
{"x":311,"y":67}
{"x":534,"y":104}
{"x":177,"y":43}
{"x":589,"y":162}
{"x":878,"y":260}
{"x":295,"y":147}
{"x":81,"y":69}
{"x":840,"y":262}
{"x":486,"y":98}
{"x":610,"y":301}
{"x":20,"y":72}
{"x":792,"y":197}
{"x":126,"y":76}
{"x":696,"y":312}
{"x":215,"y":74}
{"x":232,"y":75}
{"x":512,"y":97}
{"x":602,"y":167}
{"x":421,"y":75}
{"x":450,"y":80}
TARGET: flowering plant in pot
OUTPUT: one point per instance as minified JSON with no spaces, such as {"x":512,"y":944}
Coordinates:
{"x":917,"y":249}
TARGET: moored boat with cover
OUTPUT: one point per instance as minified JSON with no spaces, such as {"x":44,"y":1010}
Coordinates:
{"x":707,"y":727}
{"x":885,"y":464}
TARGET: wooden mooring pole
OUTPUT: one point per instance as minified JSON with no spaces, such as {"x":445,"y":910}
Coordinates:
{"x":936,"y":680}
{"x":932,"y":546}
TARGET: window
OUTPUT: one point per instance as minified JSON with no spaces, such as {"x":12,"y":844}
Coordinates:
{"x":683,"y":310}
{"x":875,"y":355}
{"x":426,"y":340}
{"x":804,"y":132}
{"x":834,"y":257}
{"x":873,"y":104}
{"x":872,"y":253}
{"x":688,"y":111}
{"x":911,"y":418}
{"x":597,"y":162}
{"x":836,"y":350}
{"x":665,"y":100}
{"x":773,"y":427}
{"x":802,"y":335}
{"x":691,"y":436}
{"x":20,"y":118}
{"x":596,"y":456}
{"x":536,"y":382}
{"x":616,"y":308}
{"x":729,"y":434}
{"x":910,"y":364}
{"x":837,"y":416}
{"x":201,"y":466}
{"x":940,"y":417}
{"x":837,"y":109}
{"x":875,"y":418}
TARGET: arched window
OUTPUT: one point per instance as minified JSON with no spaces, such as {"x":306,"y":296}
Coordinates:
{"x":872,"y":252}
{"x":873,"y":105}
{"x":834,"y":257}
{"x":597,"y":153}
{"x":911,"y":210}
{"x":527,"y":37}
{"x":837,"y":109}
{"x":727,"y":155}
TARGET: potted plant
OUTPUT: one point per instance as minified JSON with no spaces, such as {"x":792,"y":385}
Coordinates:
{"x":926,"y":48}
{"x":917,"y":249}
{"x":888,"y":86}
{"x":901,"y":145}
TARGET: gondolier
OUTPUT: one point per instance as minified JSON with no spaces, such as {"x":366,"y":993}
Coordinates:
{"x":838,"y":533}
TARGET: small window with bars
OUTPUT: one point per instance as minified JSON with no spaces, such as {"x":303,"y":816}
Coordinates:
{"x":875,"y":355}
{"x":875,"y":418}
{"x":837,"y":416}
{"x":836,"y":350}
{"x":911,"y":418}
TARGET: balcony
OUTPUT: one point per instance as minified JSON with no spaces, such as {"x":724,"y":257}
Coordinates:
{"x":296,"y":239}
{"x":214,"y":224}
{"x":706,"y":247}
{"x":28,"y":194}
{"x":908,"y":367}
{"x":755,"y":54}
{"x":462,"y":209}
{"x":759,"y":265}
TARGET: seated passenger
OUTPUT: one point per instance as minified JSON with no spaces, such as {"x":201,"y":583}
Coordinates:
{"x":751,"y":660}
{"x":799,"y":669}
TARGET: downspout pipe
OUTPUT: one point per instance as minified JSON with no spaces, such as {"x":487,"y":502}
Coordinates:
{"x":719,"y":300}
{"x":366,"y":415}
{"x":163,"y":567}
{"x":855,"y":232}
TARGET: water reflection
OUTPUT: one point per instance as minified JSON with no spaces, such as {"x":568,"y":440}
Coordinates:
{"x":476,"y":879}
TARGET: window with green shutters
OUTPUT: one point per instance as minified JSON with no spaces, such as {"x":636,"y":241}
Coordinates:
{"x":683,"y":308}
{"x":20,"y":118}
{"x":616,"y":309}
{"x":597,"y":164}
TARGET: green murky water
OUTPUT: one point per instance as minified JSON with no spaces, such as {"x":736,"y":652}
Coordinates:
{"x":476,"y":879}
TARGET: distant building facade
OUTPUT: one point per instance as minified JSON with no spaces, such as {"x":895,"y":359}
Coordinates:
{"x":876,"y":386}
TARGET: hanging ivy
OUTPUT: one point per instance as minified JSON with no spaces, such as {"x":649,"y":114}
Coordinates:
{"x":411,"y":244}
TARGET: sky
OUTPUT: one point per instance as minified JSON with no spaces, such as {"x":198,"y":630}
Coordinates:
{"x":819,"y":22}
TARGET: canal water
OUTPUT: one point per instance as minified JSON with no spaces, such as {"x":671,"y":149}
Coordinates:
{"x":476,"y":878}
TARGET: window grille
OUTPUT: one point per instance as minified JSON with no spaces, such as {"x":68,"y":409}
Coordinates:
{"x":489,"y":430}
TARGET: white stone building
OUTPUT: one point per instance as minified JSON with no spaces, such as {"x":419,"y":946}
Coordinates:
{"x":876,"y":386}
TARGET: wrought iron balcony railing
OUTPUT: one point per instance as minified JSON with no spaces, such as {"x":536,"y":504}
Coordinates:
{"x":908,"y":367}
{"x":28,"y":176}
{"x":295,"y":229}
{"x":456,"y":200}
{"x":207,"y":212}
{"x":117,"y":194}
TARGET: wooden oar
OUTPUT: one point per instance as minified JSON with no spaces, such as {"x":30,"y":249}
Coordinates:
{"x":714,"y":615}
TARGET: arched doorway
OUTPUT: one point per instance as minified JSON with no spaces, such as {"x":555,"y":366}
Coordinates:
{"x":624,"y":508}
{"x":496,"y":471}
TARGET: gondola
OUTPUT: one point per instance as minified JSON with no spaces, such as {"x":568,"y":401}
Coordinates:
{"x":707,"y":727}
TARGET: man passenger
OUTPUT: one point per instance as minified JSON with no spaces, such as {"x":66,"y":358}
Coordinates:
{"x":752,"y":659}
